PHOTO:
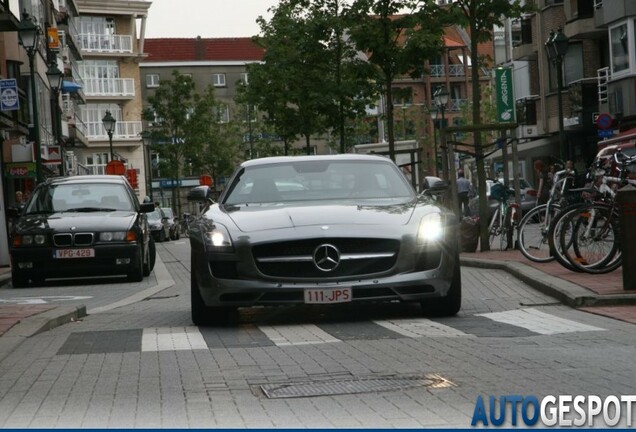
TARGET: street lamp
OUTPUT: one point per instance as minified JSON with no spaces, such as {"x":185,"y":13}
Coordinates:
{"x":29,"y":34}
{"x":441,"y":100}
{"x":557,"y":47}
{"x":109,"y":124}
{"x":146,"y":137}
{"x":434,"y":113}
{"x":54,"y":76}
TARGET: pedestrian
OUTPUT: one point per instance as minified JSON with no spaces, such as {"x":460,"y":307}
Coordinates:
{"x":545,"y":184}
{"x":464,"y":190}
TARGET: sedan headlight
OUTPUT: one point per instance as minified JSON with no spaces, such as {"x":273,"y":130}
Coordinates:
{"x":29,"y":240}
{"x":431,"y":229}
{"x":112,"y":236}
{"x":218,"y":239}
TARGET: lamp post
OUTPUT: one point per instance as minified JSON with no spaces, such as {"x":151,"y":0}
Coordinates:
{"x":434,"y":114}
{"x":441,"y":100}
{"x":109,"y":124}
{"x":557,"y":47}
{"x":29,"y":34}
{"x":54,"y":76}
{"x":146,"y":136}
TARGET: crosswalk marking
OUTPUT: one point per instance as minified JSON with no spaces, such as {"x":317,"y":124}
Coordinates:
{"x":297,"y":334}
{"x":539,"y":322}
{"x":415,"y":328}
{"x":172,"y":339}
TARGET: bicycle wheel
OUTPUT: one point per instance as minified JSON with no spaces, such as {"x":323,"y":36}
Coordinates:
{"x":595,"y":239}
{"x":494,"y":227}
{"x":506,"y":226}
{"x":555,"y":230}
{"x":533,"y":233}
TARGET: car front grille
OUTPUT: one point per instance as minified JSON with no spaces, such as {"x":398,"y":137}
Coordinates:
{"x":73,"y":239}
{"x":356,"y":257}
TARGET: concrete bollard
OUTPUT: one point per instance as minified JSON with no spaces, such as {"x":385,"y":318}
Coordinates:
{"x":626,"y":199}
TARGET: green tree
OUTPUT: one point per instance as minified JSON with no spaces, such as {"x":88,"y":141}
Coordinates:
{"x":398,"y":35}
{"x":183,"y":132}
{"x":480,"y":17}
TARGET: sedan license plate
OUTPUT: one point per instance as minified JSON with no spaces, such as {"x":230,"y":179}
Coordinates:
{"x":328,"y":295}
{"x":74,"y":253}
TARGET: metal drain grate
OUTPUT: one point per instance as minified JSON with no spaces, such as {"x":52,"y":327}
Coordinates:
{"x":351,"y":386}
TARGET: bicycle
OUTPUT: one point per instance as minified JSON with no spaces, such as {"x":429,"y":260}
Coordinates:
{"x":506,"y":217}
{"x":185,"y":224}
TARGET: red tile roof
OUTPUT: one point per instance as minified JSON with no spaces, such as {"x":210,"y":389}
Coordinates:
{"x":202,"y":49}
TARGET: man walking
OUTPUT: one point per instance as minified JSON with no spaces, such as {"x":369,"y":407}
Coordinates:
{"x":464,"y":188}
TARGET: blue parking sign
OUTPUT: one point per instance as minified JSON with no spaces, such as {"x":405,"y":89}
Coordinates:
{"x":9,"y":100}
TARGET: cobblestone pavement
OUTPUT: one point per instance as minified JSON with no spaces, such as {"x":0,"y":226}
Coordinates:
{"x":143,"y":364}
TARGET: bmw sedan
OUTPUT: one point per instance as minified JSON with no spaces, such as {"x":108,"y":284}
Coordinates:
{"x":82,"y":226}
{"x":353,"y":231}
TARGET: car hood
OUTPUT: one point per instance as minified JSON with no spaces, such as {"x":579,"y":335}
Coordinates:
{"x":266,"y":217}
{"x":63,"y":221}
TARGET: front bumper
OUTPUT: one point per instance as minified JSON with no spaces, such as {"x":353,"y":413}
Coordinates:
{"x":39,"y":263}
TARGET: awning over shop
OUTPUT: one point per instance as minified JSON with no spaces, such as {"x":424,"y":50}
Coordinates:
{"x":70,"y":86}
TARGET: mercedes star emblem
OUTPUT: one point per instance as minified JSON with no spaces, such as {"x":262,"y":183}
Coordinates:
{"x":326,"y":257}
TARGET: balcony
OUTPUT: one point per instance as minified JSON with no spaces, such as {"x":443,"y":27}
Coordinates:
{"x":110,"y":87}
{"x":106,"y":44}
{"x":454,"y":70}
{"x":124,"y":131}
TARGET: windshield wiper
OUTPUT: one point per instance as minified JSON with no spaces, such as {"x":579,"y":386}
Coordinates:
{"x":91,"y":209}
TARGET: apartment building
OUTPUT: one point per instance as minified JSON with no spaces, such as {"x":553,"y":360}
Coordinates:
{"x":220,"y":62}
{"x":111,"y":48}
{"x":598,"y":78}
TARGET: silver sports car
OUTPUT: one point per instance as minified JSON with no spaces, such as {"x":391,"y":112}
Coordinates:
{"x":321,"y":230}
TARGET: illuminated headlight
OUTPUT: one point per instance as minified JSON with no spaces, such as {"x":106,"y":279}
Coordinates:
{"x":430,"y":229}
{"x":112,"y":236}
{"x":218,"y":239}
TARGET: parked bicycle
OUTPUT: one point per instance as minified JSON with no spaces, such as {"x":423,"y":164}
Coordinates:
{"x":506,"y":218}
{"x":185,"y":224}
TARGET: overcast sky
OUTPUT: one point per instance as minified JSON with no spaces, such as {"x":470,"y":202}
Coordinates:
{"x":205,"y":18}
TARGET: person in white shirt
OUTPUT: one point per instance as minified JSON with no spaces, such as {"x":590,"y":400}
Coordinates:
{"x":464,"y":189}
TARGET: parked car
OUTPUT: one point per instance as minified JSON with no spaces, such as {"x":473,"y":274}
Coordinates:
{"x":159,"y":226}
{"x":528,"y":197}
{"x":173,"y":223}
{"x":355,"y":232}
{"x":82,"y":226}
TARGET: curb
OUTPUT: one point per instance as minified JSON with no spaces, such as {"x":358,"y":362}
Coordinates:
{"x":38,"y":323}
{"x":566,"y":292}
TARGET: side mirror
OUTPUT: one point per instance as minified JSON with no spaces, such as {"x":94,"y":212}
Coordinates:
{"x":201,"y":194}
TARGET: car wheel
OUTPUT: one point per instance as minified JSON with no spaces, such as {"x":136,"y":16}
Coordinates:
{"x":152,"y":252}
{"x":137,"y":273}
{"x":149,"y":261}
{"x":162,"y":236}
{"x":450,"y":304}
{"x":203,"y":315}
{"x":177,"y":235}
{"x":19,"y":280}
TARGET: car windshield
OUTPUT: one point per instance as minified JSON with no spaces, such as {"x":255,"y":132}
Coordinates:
{"x":292,"y":181}
{"x":79,"y":197}
{"x":154,"y":216}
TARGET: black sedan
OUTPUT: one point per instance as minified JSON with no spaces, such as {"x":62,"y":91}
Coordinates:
{"x":353,"y":230}
{"x":82,"y":226}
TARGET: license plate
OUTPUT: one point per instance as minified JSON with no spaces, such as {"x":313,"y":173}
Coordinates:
{"x":328,"y":295}
{"x":74,"y":253}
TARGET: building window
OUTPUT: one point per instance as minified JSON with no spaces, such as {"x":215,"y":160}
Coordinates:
{"x":152,"y":80}
{"x":244,"y":77}
{"x":223,"y":113}
{"x":96,"y":163}
{"x":619,"y":47}
{"x":218,"y":80}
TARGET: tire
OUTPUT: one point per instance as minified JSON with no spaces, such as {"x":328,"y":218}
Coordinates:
{"x":594,"y":255}
{"x":203,"y":315}
{"x":493,"y":228}
{"x":162,"y":236}
{"x":450,"y":304}
{"x":555,"y":236}
{"x":177,"y":235}
{"x":137,"y":273}
{"x":19,"y":280}
{"x":149,"y":262}
{"x":533,"y":233}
